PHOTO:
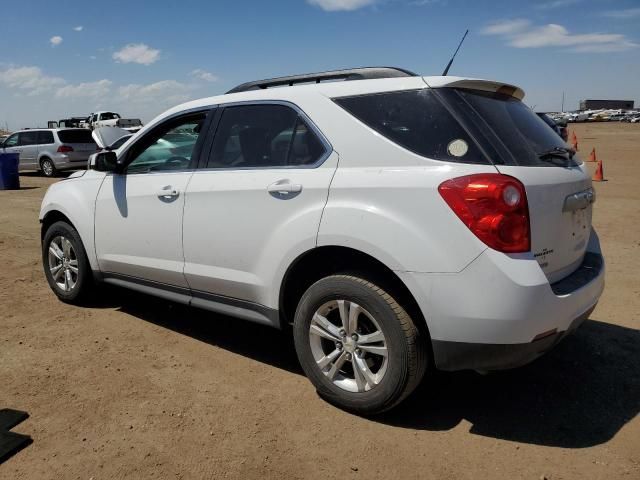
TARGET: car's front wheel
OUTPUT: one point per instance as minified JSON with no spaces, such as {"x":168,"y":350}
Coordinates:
{"x":65,"y":263}
{"x":357,"y":345}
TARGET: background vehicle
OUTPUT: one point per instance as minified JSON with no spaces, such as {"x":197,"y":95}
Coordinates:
{"x":51,"y":150}
{"x":559,"y":129}
{"x":72,"y":122}
{"x":397,"y":221}
{"x":111,"y":119}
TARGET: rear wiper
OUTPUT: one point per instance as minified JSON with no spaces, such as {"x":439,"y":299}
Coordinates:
{"x":562,"y":152}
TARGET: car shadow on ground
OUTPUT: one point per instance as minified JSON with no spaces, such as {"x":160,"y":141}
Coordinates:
{"x":578,"y":395}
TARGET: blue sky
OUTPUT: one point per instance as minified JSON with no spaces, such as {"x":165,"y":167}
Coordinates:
{"x":63,"y":58}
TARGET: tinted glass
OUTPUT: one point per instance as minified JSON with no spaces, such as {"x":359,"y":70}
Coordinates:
{"x":28,"y":138}
{"x":118,"y":143}
{"x":45,"y":138}
{"x":262,"y":136}
{"x":416,"y":120}
{"x":521,"y":131}
{"x":12,"y":141}
{"x":75,"y":136}
{"x":109,"y":116}
{"x":169,"y":147}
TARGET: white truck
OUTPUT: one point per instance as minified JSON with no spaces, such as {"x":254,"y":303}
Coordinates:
{"x":112,"y":119}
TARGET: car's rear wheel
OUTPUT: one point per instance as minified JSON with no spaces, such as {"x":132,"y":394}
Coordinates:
{"x":65,"y":263}
{"x":357,"y":345}
{"x":48,"y":168}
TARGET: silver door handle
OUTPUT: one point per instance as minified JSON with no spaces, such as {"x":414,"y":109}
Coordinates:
{"x":168,"y":191}
{"x":284,"y":188}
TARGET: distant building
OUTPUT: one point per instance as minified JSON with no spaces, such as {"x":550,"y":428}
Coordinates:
{"x":606,"y":104}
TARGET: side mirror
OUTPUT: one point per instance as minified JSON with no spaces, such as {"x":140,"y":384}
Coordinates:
{"x":106,"y":162}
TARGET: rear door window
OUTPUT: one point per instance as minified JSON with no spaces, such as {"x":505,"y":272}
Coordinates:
{"x":264,"y":136}
{"x":75,"y":136}
{"x":45,"y":137}
{"x":418,"y":121}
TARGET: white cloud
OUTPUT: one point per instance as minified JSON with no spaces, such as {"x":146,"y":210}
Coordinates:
{"x":167,"y":92}
{"x":520,"y":33}
{"x":29,"y":79}
{"x":55,"y":40}
{"x":92,"y":57}
{"x":505,"y":27}
{"x":79,"y":28}
{"x":340,"y":5}
{"x":624,"y":13}
{"x":204,"y":75}
{"x":98,"y":89}
{"x":557,"y":4}
{"x":137,"y":53}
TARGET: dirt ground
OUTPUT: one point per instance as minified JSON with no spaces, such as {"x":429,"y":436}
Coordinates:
{"x":136,"y":387}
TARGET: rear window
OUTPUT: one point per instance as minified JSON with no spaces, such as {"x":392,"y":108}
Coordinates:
{"x":75,"y":136}
{"x":522,"y":136}
{"x":418,"y":121}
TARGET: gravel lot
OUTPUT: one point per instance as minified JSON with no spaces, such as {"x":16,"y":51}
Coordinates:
{"x":136,"y":387}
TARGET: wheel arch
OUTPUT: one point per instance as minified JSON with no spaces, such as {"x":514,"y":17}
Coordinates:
{"x":52,"y":217}
{"x":319,"y":262}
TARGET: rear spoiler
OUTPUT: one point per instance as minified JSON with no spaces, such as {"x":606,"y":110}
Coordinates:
{"x":475,"y":84}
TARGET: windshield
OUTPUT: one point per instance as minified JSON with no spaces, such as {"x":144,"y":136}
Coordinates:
{"x":525,"y":138}
{"x":109,"y":116}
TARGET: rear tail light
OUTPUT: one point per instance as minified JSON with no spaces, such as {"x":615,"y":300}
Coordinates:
{"x":494,"y":207}
{"x":65,"y":149}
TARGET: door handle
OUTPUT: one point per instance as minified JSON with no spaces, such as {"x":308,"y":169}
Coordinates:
{"x":168,"y":192}
{"x":284,"y":188}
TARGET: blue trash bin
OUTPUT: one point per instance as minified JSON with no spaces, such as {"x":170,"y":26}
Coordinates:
{"x":9,"y":177}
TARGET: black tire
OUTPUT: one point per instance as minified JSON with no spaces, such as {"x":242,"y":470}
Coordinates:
{"x":83,"y":287}
{"x":48,"y":168}
{"x":407,"y":348}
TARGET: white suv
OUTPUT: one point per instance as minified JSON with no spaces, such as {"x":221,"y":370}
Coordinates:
{"x":398,"y":222}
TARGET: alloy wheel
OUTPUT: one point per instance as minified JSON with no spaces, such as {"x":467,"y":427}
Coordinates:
{"x":348,"y":345}
{"x":63,"y":263}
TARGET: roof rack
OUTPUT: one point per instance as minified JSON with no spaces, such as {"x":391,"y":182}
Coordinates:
{"x":364,"y":73}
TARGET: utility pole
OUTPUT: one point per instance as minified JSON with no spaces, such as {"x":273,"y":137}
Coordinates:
{"x":563,"y":101}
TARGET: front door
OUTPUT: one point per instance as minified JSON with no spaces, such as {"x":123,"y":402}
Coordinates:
{"x":138,"y":219}
{"x":12,"y":145}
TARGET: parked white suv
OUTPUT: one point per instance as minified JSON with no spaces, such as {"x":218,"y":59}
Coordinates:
{"x":398,"y":222}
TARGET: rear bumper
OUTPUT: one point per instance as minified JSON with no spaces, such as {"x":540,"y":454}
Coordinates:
{"x":500,"y":311}
{"x":64,"y":162}
{"x":484,"y":356}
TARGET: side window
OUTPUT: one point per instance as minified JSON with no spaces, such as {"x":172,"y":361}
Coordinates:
{"x":28,"y":138}
{"x":167,"y":147}
{"x":12,"y":141}
{"x":45,"y":137}
{"x":262,"y":136}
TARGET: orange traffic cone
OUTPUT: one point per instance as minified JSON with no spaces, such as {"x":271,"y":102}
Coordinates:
{"x":592,"y":156}
{"x":574,"y":141}
{"x":598,"y":176}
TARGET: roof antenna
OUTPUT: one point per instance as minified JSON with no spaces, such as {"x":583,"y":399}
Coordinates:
{"x":446,"y":70}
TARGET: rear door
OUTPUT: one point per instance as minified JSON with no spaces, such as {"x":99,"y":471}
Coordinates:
{"x":258,"y":198}
{"x":46,"y":143}
{"x":29,"y":145}
{"x":558,"y":186}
